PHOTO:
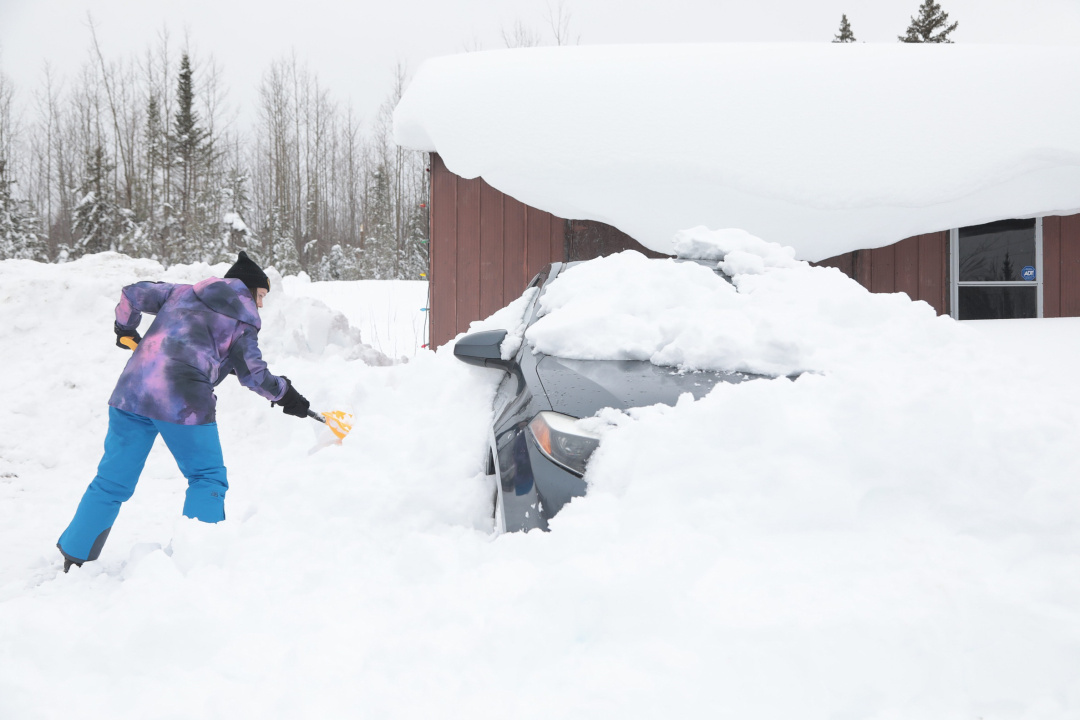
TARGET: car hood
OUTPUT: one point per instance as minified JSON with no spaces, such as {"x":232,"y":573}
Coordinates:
{"x":581,"y":387}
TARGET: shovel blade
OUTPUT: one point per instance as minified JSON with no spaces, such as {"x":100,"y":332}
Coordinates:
{"x":339,"y":422}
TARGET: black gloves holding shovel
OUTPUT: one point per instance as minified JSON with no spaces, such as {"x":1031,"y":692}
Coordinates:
{"x":292,"y":402}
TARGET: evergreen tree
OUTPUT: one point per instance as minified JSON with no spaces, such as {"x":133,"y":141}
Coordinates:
{"x":930,"y":26}
{"x":283,"y":254}
{"x":415,"y":260}
{"x":100,"y":223}
{"x":845,"y":36}
{"x":339,"y":264}
{"x":153,"y":228}
{"x":190,"y":148}
{"x":19,"y":238}
{"x":236,"y":203}
{"x":379,"y":237}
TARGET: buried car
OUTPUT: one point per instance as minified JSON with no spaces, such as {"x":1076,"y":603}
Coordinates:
{"x":538,"y":449}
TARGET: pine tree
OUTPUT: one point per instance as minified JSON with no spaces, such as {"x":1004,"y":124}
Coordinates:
{"x":237,"y":234}
{"x":19,"y":238}
{"x":845,"y":36}
{"x":190,"y":152}
{"x":415,"y":260}
{"x":283,"y":254}
{"x":379,"y":236}
{"x":100,"y":224}
{"x":930,"y":26}
{"x":153,"y":228}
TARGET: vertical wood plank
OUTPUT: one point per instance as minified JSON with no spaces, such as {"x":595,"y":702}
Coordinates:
{"x":883,"y":269}
{"x":491,"y":250}
{"x":468,"y":252}
{"x":933,"y":270}
{"x":513,"y":274}
{"x":537,"y":241}
{"x":442,"y":273}
{"x":1052,"y":266}
{"x":860,"y":266}
{"x":1070,"y":266}
{"x":558,"y":239}
{"x":906,"y":271}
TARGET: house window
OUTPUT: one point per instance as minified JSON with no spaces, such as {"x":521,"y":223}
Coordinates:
{"x":997,"y":270}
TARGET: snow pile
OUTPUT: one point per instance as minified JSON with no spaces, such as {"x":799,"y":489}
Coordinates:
{"x":892,"y":538}
{"x":826,"y":147}
{"x":390,"y":313}
{"x":777,"y":316}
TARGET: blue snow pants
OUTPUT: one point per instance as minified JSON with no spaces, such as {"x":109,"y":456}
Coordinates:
{"x":197,"y":451}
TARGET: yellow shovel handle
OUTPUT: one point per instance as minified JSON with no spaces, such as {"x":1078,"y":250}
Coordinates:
{"x":129,"y":342}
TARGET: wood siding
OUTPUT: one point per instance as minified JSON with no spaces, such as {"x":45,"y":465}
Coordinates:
{"x":485,"y":247}
{"x":1061,"y":266}
{"x":586,"y":239}
{"x":918,"y":266}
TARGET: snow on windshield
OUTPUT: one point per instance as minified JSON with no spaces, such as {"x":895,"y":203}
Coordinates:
{"x":826,"y":148}
{"x":777,"y":316}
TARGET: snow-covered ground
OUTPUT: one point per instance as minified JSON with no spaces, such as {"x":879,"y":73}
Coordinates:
{"x":892,"y":535}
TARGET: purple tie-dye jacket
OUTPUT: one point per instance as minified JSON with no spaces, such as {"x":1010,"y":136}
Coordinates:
{"x":201,"y":333}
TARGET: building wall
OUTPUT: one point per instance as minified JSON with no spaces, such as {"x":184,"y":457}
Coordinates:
{"x":918,"y":266}
{"x":485,"y":247}
{"x":1061,"y":266}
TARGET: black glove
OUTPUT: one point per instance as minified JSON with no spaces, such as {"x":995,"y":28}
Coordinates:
{"x":124,"y":334}
{"x":292,"y":402}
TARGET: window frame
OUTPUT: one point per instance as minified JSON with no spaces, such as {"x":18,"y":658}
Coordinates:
{"x":954,"y":272}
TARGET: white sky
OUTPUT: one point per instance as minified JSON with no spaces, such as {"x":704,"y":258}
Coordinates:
{"x":353,"y":46}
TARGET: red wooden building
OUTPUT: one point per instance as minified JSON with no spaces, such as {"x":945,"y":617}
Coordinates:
{"x":486,"y":246}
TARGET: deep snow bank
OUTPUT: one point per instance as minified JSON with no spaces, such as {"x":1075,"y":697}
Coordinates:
{"x":892,"y":538}
{"x":825,"y":147}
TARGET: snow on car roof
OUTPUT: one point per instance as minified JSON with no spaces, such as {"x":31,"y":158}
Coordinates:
{"x":825,"y":148}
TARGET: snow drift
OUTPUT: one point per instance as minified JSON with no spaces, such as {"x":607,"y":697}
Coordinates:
{"x":826,"y":148}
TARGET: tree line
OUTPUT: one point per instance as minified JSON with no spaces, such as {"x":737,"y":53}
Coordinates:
{"x":139,"y":156}
{"x":930,"y":25}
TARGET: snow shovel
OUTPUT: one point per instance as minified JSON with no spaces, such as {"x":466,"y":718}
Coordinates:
{"x":339,"y":422}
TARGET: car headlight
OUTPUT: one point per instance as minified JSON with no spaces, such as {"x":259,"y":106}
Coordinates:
{"x":562,"y":442}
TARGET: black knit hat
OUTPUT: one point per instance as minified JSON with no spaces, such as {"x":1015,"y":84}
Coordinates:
{"x":245,"y":269}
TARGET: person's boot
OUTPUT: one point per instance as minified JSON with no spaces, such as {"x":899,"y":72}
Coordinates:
{"x":69,"y":561}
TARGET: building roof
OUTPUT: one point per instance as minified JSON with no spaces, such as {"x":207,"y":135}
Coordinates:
{"x":826,"y":148}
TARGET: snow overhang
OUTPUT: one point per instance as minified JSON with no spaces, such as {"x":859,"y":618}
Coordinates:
{"x":827,"y":148}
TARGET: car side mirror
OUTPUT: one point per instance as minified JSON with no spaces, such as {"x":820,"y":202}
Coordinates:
{"x":483,"y":349}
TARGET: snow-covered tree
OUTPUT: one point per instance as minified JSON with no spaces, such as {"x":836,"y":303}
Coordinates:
{"x":100,"y":223}
{"x":930,"y":26}
{"x":279,"y":237}
{"x":340,"y":264}
{"x":380,"y":248}
{"x":845,"y":35}
{"x":236,"y":235}
{"x":19,"y":236}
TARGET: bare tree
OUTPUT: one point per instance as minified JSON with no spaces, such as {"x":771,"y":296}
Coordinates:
{"x":520,"y":35}
{"x":558,"y":18}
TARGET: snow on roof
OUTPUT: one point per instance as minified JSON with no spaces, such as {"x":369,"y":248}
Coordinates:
{"x":826,"y":148}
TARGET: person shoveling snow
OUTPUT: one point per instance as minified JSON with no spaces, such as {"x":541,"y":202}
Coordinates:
{"x":202,"y":333}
